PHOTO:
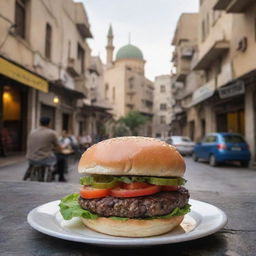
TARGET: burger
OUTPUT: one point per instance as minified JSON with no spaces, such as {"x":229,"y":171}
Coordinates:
{"x":132,"y":187}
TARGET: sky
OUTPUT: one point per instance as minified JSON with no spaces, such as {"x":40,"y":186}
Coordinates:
{"x":151,"y":24}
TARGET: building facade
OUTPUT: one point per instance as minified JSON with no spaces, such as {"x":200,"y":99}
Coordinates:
{"x":162,"y":106}
{"x":43,"y":67}
{"x":225,"y":98}
{"x":185,"y":80}
{"x":242,"y":88}
{"x":126,"y":87}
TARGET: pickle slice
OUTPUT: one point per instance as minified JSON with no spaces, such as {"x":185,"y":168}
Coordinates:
{"x":166,"y":181}
{"x":104,"y":181}
{"x":107,"y":181}
{"x":86,"y":180}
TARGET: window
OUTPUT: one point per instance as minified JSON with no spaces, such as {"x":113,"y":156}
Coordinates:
{"x":162,"y":120}
{"x":207,"y":24}
{"x":113,"y":94}
{"x":81,"y":57}
{"x":162,"y":88}
{"x":20,"y":17}
{"x":69,"y":49}
{"x":162,"y":106}
{"x":233,"y":139}
{"x":209,"y":139}
{"x":48,"y":41}
{"x":203,"y":125}
{"x":131,"y":82}
{"x":203,"y":30}
{"x":81,"y":128}
{"x":106,"y":91}
{"x":219,"y":63}
{"x":207,"y":75}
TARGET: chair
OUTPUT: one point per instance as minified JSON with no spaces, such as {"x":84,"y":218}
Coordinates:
{"x":43,"y":173}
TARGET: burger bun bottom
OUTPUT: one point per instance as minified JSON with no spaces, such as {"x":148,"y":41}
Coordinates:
{"x":133,"y":227}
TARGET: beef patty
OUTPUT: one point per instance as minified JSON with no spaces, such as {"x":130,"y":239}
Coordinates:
{"x":158,"y":204}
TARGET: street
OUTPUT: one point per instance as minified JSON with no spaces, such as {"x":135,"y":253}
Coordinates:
{"x":200,"y":176}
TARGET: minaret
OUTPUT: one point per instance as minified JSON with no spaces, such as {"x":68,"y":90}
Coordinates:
{"x":110,"y":47}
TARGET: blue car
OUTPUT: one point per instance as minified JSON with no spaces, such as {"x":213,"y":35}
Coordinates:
{"x":221,"y":147}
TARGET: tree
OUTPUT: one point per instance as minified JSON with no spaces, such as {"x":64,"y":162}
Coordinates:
{"x":120,"y":129}
{"x":133,"y":120}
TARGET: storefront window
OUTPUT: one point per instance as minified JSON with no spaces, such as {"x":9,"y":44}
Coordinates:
{"x":11,"y":117}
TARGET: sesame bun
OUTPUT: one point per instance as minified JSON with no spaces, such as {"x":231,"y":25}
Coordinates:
{"x":133,"y":227}
{"x":132,"y":156}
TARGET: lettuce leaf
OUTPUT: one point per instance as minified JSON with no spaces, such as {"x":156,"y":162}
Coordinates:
{"x":69,"y":208}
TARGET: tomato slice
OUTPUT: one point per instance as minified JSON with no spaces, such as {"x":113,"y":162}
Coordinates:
{"x":122,"y":192}
{"x":170,"y":188}
{"x":89,"y":192}
{"x":135,"y":185}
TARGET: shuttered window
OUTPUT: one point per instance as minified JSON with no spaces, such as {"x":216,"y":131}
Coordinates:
{"x":20,"y":17}
{"x":48,"y":41}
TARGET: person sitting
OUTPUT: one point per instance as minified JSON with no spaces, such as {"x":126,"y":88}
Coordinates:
{"x":41,"y":144}
{"x":85,"y":141}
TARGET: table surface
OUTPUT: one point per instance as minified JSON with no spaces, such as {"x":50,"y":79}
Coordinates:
{"x":238,"y":238}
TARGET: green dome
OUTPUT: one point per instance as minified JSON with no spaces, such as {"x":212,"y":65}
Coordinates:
{"x":129,"y":51}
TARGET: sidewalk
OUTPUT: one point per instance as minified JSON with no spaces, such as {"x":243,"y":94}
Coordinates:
{"x":11,"y":160}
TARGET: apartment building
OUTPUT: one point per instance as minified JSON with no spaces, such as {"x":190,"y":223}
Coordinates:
{"x":162,"y":107}
{"x":185,"y":80}
{"x":96,"y":109}
{"x":44,"y":60}
{"x":225,"y":97}
{"x":242,"y":54}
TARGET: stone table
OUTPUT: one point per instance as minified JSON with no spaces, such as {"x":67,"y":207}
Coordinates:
{"x":18,"y":238}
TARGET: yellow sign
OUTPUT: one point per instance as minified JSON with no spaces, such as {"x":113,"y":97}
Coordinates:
{"x":23,"y":76}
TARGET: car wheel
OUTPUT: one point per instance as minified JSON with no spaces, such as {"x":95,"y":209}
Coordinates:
{"x":245,"y":163}
{"x":195,"y":158}
{"x":212,"y":160}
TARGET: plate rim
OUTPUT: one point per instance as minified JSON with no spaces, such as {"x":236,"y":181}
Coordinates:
{"x":126,"y":241}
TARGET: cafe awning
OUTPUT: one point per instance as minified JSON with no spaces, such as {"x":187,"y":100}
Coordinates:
{"x":19,"y":74}
{"x":203,"y":93}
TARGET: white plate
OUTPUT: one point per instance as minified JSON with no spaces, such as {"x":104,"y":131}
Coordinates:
{"x":203,"y":220}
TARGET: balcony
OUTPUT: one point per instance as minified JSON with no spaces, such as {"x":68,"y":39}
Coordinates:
{"x":182,"y":70}
{"x":177,"y":109}
{"x":80,"y":85}
{"x":233,"y":6}
{"x":74,"y":67}
{"x":186,"y":51}
{"x":218,"y":49}
{"x":81,"y":20}
{"x":203,"y":92}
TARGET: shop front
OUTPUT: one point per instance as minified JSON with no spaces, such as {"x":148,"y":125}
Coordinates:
{"x":16,"y":86}
{"x":230,"y":110}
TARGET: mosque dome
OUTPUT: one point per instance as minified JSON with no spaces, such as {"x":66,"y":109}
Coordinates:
{"x":129,"y":51}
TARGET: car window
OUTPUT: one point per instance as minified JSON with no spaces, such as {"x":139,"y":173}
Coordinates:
{"x":212,"y":139}
{"x":185,"y":139}
{"x":209,"y":139}
{"x":169,"y":141}
{"x":175,"y":139}
{"x":233,"y":139}
{"x":204,"y":140}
